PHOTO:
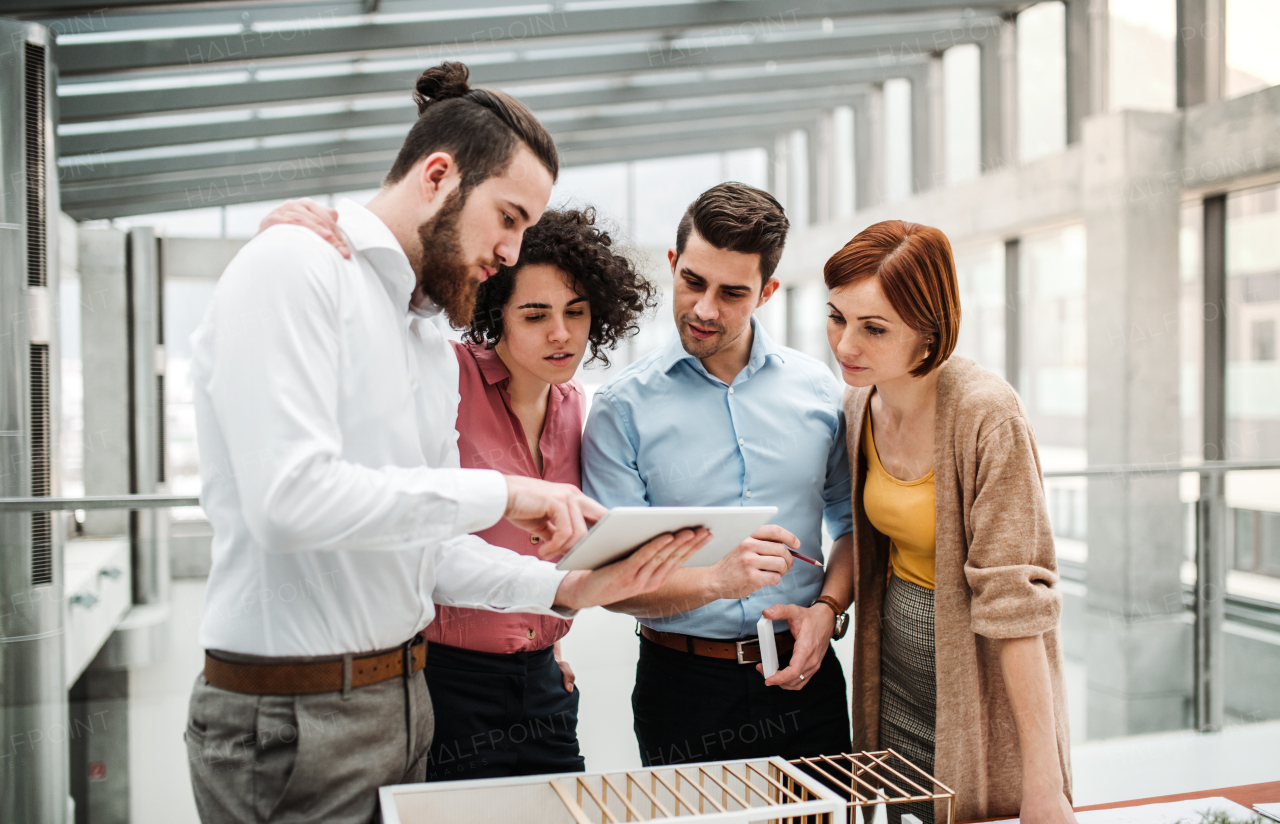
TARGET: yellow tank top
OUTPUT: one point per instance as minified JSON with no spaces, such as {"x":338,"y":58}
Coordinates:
{"x":905,"y":511}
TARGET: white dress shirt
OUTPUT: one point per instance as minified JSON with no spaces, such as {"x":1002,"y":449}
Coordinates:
{"x":325,"y":411}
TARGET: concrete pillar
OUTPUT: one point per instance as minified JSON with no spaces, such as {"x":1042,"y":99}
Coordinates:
{"x":1202,"y":51}
{"x":844,"y":193}
{"x":780,"y":165}
{"x":998,"y":94}
{"x":1139,"y":636}
{"x":868,"y":147}
{"x":104,"y":330}
{"x":791,"y":175}
{"x":925,"y":125}
{"x":1088,"y":66}
{"x":937,"y":84}
{"x":821,"y":166}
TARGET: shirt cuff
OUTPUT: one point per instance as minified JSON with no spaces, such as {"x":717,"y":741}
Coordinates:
{"x":482,"y":499}
{"x":544,"y":580}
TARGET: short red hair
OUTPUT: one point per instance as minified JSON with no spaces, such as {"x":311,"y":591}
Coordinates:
{"x":918,"y":276}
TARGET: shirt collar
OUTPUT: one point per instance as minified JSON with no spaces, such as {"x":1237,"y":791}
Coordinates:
{"x":491,"y":366}
{"x":369,"y":236}
{"x":762,"y":348}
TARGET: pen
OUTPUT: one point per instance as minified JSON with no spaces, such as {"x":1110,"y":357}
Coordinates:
{"x":804,"y":558}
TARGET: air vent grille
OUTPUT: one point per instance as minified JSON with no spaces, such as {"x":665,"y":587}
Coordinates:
{"x":37,"y":270}
{"x":41,"y":477}
{"x":160,"y":462}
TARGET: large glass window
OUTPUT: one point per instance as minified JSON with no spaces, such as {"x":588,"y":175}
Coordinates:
{"x":1253,"y":310}
{"x":980,"y":270}
{"x":1253,"y":62}
{"x":1143,"y":63}
{"x":1191,"y":318}
{"x":1253,"y":390}
{"x":1053,"y":342}
{"x":1052,"y":374}
{"x":1042,"y":79}
{"x":961,"y":72}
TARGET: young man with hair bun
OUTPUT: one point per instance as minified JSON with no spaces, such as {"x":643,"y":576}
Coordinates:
{"x":723,"y":416}
{"x":325,"y":402}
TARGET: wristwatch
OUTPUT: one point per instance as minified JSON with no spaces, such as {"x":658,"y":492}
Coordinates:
{"x":842,"y":617}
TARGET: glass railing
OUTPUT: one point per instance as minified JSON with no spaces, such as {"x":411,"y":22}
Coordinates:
{"x":1228,"y":569}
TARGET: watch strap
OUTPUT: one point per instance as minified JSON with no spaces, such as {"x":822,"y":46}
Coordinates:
{"x":829,"y":601}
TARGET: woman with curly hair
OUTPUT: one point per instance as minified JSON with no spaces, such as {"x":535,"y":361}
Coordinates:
{"x":512,"y":708}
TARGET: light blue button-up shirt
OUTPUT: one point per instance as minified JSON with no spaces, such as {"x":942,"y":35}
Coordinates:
{"x":668,"y":433}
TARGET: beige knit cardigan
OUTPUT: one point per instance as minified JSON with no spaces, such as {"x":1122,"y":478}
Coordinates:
{"x":996,"y":578}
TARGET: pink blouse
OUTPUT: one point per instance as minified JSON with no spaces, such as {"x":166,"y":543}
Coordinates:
{"x":490,"y":437}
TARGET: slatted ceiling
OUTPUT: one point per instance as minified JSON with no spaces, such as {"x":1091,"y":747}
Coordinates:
{"x":260,"y":77}
{"x":34,"y":133}
{"x":41,"y":466}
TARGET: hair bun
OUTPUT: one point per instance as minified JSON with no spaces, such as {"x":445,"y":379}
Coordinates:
{"x":441,"y":82}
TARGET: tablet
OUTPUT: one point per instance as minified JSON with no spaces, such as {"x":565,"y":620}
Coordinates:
{"x":627,"y":528}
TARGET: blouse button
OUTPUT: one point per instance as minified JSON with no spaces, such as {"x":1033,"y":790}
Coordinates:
{"x":533,"y":539}
{"x":531,"y":633}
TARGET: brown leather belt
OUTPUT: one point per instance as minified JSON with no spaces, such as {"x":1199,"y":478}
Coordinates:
{"x":339,"y":675}
{"x":746,"y":651}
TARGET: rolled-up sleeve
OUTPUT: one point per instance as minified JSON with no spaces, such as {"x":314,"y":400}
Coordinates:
{"x":1011,"y":565}
{"x":837,"y":510}
{"x":610,"y":472}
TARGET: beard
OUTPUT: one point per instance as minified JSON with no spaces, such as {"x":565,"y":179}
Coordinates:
{"x":443,"y":274}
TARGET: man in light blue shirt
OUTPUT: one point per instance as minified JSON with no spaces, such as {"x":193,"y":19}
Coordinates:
{"x":723,"y":416}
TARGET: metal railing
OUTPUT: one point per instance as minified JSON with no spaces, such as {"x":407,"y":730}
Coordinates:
{"x":97,"y":502}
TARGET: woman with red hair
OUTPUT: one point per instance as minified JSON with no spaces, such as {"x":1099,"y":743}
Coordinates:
{"x":957,"y":655}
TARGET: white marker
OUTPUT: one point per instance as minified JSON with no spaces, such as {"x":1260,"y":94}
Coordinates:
{"x":768,"y":648}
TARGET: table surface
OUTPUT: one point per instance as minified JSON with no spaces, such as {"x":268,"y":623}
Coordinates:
{"x":1246,"y":795}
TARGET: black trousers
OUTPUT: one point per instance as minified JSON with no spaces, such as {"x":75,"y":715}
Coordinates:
{"x":692,"y":708}
{"x":500,"y":715}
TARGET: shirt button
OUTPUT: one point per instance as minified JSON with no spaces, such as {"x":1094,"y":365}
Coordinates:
{"x":413,"y":382}
{"x":531,"y":633}
{"x":741,"y":442}
{"x":748,"y":493}
{"x":533,"y":539}
{"x":730,"y":390}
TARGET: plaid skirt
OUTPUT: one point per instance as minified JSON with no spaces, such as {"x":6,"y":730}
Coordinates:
{"x":908,"y":683}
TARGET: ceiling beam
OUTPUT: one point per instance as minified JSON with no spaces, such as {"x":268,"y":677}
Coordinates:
{"x":689,"y":97}
{"x":309,"y":37}
{"x":364,"y":163}
{"x":654,"y":63}
{"x":624,"y":129}
{"x":109,"y":199}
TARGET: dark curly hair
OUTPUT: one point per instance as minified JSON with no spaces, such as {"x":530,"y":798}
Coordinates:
{"x":570,"y":240}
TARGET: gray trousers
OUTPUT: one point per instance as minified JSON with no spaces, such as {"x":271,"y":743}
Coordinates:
{"x":305,"y":758}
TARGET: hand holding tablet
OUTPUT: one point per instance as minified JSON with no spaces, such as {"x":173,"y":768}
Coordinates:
{"x":626,"y":528}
